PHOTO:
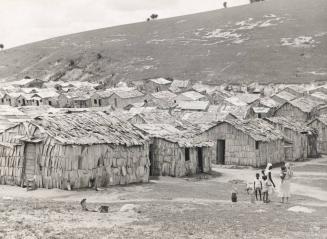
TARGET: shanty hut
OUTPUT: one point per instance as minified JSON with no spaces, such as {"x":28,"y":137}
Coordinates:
{"x":76,"y":150}
{"x":283,"y":97}
{"x":193,"y":105}
{"x":190,"y":96}
{"x":163,"y":99}
{"x":246,"y":142}
{"x":179,"y":85}
{"x":301,"y":138}
{"x":320,"y":124}
{"x":158,"y":84}
{"x":301,"y":109}
{"x":176,"y":153}
{"x":296,"y":90}
{"x":322,"y":89}
{"x":120,"y":99}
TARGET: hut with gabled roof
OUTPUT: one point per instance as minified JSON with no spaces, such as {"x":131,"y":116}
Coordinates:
{"x":320,"y":124}
{"x":302,"y":109}
{"x":301,"y":138}
{"x":245,"y":142}
{"x":176,"y":152}
{"x":74,"y":150}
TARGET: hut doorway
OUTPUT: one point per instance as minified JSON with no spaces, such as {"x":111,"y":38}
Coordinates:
{"x":312,"y":146}
{"x":30,"y":160}
{"x":200,"y":160}
{"x":220,"y":154}
{"x":152,"y":165}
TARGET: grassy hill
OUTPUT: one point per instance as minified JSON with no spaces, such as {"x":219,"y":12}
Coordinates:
{"x":271,"y":41}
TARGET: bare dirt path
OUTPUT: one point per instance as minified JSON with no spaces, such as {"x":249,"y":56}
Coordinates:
{"x":172,"y":208}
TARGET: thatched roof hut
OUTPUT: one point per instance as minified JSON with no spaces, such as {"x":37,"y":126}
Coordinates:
{"x":74,"y":149}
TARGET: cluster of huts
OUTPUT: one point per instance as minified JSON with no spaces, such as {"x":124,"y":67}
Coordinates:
{"x":177,"y":129}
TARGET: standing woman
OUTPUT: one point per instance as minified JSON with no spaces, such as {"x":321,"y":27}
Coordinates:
{"x":269,"y":177}
{"x":285,"y":187}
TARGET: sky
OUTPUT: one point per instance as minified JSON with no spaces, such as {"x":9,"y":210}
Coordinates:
{"x":24,"y":21}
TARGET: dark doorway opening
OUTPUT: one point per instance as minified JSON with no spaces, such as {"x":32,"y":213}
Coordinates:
{"x":151,"y":160}
{"x":100,"y":103}
{"x":220,"y":157}
{"x":200,"y":160}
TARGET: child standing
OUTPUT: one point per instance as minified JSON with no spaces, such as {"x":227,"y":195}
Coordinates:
{"x":257,"y":185}
{"x":265,"y":188}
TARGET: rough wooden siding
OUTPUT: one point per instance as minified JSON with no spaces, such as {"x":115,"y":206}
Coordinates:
{"x":169,"y":159}
{"x":300,"y":144}
{"x":322,"y":135}
{"x":12,"y":158}
{"x":287,"y":110}
{"x":122,"y":102}
{"x":57,"y":165}
{"x":240,"y":148}
{"x":270,"y":152}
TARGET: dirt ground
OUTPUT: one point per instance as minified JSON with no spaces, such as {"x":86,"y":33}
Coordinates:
{"x":198,"y":207}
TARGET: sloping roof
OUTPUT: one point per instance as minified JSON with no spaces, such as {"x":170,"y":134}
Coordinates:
{"x":321,"y":118}
{"x":285,"y":95}
{"x":47,"y":93}
{"x":158,"y":117}
{"x":306,"y":104}
{"x":239,"y":112}
{"x":161,"y":81}
{"x":129,"y":94}
{"x":9,"y":110}
{"x":180,"y":83}
{"x":258,"y":129}
{"x":165,"y":94}
{"x":89,"y":128}
{"x":199,"y":87}
{"x":319,"y":95}
{"x":103,"y":94}
{"x":289,"y":124}
{"x":297,"y":88}
{"x":269,"y":102}
{"x":137,"y":110}
{"x":235,"y":101}
{"x":248,"y":98}
{"x":174,"y":135}
{"x":193,"y":105}
{"x":192,"y":95}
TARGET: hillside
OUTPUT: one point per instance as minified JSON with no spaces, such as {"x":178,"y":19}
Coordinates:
{"x":271,"y":41}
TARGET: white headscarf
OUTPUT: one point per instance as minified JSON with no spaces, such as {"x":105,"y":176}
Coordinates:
{"x":289,"y":169}
{"x":267,"y":170}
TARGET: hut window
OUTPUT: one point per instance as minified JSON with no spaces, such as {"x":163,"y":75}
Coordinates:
{"x":95,"y":101}
{"x":187,"y":154}
{"x":100,"y":162}
{"x":80,"y":158}
{"x":256,"y":144}
{"x":116,"y":102}
{"x":18,"y":101}
{"x":259,"y":116}
{"x":2,"y":100}
{"x":50,"y":103}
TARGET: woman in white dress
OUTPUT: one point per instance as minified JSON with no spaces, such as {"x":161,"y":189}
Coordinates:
{"x":285,"y":186}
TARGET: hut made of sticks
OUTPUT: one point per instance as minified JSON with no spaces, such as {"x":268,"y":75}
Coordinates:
{"x":301,"y":109}
{"x":320,"y":124}
{"x":302,"y":139}
{"x":245,"y":142}
{"x":176,"y":153}
{"x":74,"y":150}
